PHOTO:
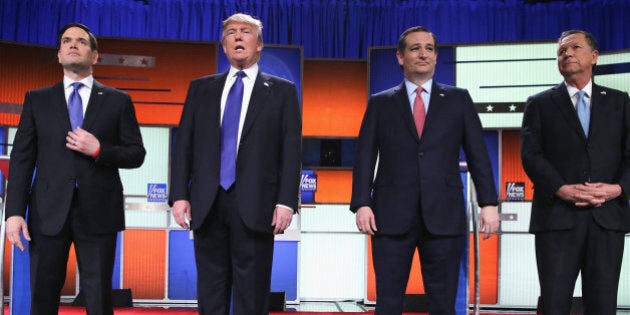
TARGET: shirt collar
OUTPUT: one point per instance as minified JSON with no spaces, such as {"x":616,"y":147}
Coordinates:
{"x":411,"y":87}
{"x":572,"y":89}
{"x":87,"y":81}
{"x":251,"y":71}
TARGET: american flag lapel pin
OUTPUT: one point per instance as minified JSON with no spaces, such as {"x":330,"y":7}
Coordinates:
{"x":441,"y":94}
{"x":603,"y":92}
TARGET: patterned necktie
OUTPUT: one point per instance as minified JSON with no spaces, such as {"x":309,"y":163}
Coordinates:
{"x":229,"y":132}
{"x":75,"y":106}
{"x":583,"y":111}
{"x":419,"y":114}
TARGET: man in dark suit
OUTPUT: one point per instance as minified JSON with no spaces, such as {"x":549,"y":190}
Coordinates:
{"x":235,"y":175}
{"x":64,"y":168}
{"x":413,"y":140}
{"x":580,"y":168}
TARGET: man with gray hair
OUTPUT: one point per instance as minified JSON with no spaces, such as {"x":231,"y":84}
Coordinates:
{"x":236,"y":172}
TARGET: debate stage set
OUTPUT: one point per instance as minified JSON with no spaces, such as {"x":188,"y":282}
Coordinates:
{"x":322,"y":264}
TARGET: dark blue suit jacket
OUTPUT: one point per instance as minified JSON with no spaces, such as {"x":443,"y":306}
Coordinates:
{"x":269,"y":153}
{"x":40,"y":142}
{"x":420,"y":174}
{"x":555,"y":152}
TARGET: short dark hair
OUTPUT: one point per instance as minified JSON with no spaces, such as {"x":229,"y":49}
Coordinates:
{"x":402,"y":41}
{"x":590,"y":39}
{"x":93,"y":42}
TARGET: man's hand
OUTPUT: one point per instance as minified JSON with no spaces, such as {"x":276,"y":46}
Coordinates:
{"x":82,"y":141}
{"x":281,"y":219}
{"x":603,"y":192}
{"x":181,"y":213}
{"x":489,"y":221}
{"x":589,"y":194}
{"x":15,"y":225}
{"x":365,"y":220}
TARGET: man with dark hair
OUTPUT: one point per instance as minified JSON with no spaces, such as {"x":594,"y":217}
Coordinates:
{"x":411,"y":135}
{"x":576,"y":150}
{"x":64,"y":169}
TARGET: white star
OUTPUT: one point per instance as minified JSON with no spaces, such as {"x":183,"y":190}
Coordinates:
{"x":512,"y":108}
{"x":489,"y":108}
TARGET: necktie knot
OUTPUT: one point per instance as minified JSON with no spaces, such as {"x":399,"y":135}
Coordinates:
{"x":241,"y":74}
{"x":76,"y":86}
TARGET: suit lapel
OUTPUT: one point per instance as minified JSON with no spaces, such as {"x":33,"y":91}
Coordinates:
{"x":404,"y":109}
{"x":436,"y":104}
{"x":95,"y":104}
{"x":60,"y":106}
{"x":598,"y":108}
{"x":562,"y":101}
{"x":261,"y":91}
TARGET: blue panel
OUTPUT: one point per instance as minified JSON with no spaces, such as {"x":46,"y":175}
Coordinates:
{"x":284,"y":269}
{"x":182,"y":272}
{"x":3,"y":147}
{"x":492,"y":143}
{"x":116,"y":276}
{"x":21,"y":288}
{"x":284,"y":62}
{"x":384,"y":69}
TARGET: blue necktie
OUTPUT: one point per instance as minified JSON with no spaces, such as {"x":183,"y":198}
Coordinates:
{"x":75,"y":106}
{"x":583,"y":111}
{"x":229,"y":132}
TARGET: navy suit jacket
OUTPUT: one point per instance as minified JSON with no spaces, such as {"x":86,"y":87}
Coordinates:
{"x":414,"y":174}
{"x":40,"y":142}
{"x":269,"y":156}
{"x":555,"y":152}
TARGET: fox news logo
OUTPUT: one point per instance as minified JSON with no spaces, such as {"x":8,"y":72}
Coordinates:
{"x":308,"y":183}
{"x":156,"y":193}
{"x":515,"y":191}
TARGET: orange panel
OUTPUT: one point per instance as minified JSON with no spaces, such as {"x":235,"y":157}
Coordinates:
{"x":333,"y":186}
{"x":7,"y":266}
{"x":144,"y":263}
{"x":334,"y":97}
{"x":511,"y":166}
{"x":70,"y":286}
{"x":158,"y":92}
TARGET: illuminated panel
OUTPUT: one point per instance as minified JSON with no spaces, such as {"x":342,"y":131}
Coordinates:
{"x":500,"y":78}
{"x":613,"y":70}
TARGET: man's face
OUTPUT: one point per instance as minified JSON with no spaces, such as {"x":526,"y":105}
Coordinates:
{"x":241,"y":44}
{"x":575,"y":56}
{"x":420,"y":55}
{"x":75,"y":52}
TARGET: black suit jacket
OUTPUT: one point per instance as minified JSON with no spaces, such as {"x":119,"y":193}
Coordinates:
{"x":555,"y":152}
{"x":420,"y":174}
{"x":269,"y":153}
{"x":40,"y":146}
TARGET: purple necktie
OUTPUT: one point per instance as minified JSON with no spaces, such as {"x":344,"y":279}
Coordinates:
{"x":75,"y":106}
{"x":229,"y":132}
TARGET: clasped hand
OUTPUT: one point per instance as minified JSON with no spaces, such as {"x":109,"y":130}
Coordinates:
{"x":589,"y":194}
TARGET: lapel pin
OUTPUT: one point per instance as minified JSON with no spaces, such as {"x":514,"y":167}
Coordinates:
{"x":266,"y":84}
{"x":441,"y":94}
{"x":603,"y":92}
{"x":100,"y":93}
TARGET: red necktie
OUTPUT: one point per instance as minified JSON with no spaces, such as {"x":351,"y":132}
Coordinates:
{"x":419,"y":115}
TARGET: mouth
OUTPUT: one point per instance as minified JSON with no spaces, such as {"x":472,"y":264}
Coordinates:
{"x":239,"y":48}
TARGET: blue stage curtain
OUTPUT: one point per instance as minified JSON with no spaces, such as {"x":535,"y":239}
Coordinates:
{"x":325,"y":28}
